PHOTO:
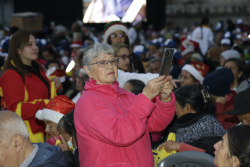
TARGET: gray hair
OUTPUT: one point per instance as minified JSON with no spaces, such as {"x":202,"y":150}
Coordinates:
{"x":94,"y":51}
{"x":11,"y":124}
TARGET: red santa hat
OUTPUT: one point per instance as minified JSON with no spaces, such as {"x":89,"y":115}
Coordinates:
{"x":197,"y":70}
{"x":53,"y":71}
{"x":56,"y":109}
{"x":76,"y":44}
{"x":188,"y":46}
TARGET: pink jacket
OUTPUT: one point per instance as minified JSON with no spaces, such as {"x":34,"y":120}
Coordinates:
{"x":113,"y":126}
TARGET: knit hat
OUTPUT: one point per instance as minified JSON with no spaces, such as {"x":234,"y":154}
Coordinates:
{"x":76,"y":44}
{"x":229,"y":54}
{"x":113,"y":26}
{"x":56,"y":109}
{"x":197,"y":70}
{"x":241,"y":103}
{"x":188,"y":46}
{"x":218,"y":82}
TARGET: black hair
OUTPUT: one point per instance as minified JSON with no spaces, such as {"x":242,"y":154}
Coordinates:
{"x":67,"y":124}
{"x":237,"y":48}
{"x":52,"y":61}
{"x":204,"y":21}
{"x":240,"y":66}
{"x":239,"y":143}
{"x":50,"y":50}
{"x":13,"y":29}
{"x":247,"y":70}
{"x":137,"y":86}
{"x":192,"y":95}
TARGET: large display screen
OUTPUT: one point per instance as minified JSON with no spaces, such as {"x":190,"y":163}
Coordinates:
{"x":104,"y":11}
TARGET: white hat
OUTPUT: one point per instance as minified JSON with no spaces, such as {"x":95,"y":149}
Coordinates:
{"x":56,"y":109}
{"x":60,"y":28}
{"x":239,"y":21}
{"x":225,"y":41}
{"x":229,"y":54}
{"x":193,"y":71}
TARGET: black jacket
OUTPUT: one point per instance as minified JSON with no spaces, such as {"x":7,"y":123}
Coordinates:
{"x":71,"y":159}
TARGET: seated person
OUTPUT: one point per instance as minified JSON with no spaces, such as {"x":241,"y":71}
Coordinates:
{"x":53,"y":69}
{"x":123,"y":52}
{"x":236,"y":66}
{"x":80,"y":83}
{"x":193,"y":73}
{"x":52,"y":113}
{"x":218,"y":84}
{"x":135,"y":86}
{"x":17,"y":150}
{"x":196,"y":128}
{"x":241,"y":107}
{"x":233,"y":150}
{"x":67,"y":132}
{"x":228,"y":54}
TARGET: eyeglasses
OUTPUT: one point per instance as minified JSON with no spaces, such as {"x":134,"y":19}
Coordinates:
{"x":104,"y":63}
{"x":124,"y":57}
{"x":115,"y":35}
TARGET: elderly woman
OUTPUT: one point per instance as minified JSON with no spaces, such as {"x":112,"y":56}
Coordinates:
{"x":113,"y":125}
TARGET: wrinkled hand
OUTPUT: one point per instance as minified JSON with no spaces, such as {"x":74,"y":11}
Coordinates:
{"x":170,"y":146}
{"x":57,"y":82}
{"x":154,"y":87}
{"x":167,"y":89}
{"x":221,"y":99}
{"x":63,"y":145}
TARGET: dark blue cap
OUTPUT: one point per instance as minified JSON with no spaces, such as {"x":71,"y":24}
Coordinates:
{"x":218,"y":82}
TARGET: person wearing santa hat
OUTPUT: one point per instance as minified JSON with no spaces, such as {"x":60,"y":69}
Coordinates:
{"x":193,"y":73}
{"x":54,"y":70}
{"x":75,"y":46}
{"x":188,"y":47}
{"x":53,"y":112}
{"x":117,"y":32}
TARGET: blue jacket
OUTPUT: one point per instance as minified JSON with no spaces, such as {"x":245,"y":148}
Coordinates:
{"x":48,"y":156}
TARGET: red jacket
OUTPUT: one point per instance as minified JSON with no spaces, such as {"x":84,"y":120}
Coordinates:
{"x":25,"y":97}
{"x":113,"y":126}
{"x":226,"y":121}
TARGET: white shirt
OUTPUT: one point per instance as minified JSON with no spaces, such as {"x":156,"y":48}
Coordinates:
{"x":205,"y":38}
{"x":75,"y":99}
{"x":123,"y":77}
{"x":132,"y":35}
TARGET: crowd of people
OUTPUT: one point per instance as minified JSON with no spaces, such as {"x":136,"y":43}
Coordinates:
{"x":85,"y":98}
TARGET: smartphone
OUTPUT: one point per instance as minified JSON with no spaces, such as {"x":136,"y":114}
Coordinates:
{"x":167,"y":61}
